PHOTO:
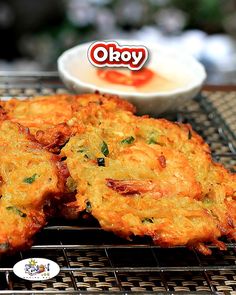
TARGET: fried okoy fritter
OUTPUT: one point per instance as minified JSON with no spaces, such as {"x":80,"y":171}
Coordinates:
{"x":141,"y":176}
{"x":30,"y":177}
{"x":207,"y":210}
{"x":53,"y":119}
{"x":43,"y":112}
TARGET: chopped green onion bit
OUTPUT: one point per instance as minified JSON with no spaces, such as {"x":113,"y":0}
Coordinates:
{"x":104,"y":149}
{"x":147,"y":220}
{"x":30,"y":179}
{"x":152,"y":141}
{"x":189,"y":134}
{"x":101,"y":162}
{"x":128,"y":140}
{"x":88,"y":207}
{"x":16,"y":210}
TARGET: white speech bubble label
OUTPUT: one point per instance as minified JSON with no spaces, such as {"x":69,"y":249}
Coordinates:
{"x":36,"y":269}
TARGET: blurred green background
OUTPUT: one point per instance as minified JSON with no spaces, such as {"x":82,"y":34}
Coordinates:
{"x":34,"y":33}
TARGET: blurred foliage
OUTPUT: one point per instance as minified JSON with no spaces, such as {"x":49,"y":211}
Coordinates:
{"x":207,"y":15}
{"x":41,"y":30}
{"x":86,"y":20}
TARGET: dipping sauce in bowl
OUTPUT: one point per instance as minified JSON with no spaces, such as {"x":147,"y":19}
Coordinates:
{"x":145,"y":80}
{"x":166,"y":81}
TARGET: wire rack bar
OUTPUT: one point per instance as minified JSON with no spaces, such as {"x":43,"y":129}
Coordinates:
{"x":141,"y":269}
{"x":114,"y":246}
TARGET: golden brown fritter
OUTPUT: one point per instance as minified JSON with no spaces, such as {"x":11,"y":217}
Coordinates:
{"x":29,"y":178}
{"x":141,"y":176}
{"x":136,"y":175}
{"x":52,"y":119}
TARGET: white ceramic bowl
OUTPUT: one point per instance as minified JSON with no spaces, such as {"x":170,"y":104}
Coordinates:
{"x":73,"y":67}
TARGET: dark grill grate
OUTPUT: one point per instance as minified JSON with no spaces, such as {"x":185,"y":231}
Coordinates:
{"x":92,"y":260}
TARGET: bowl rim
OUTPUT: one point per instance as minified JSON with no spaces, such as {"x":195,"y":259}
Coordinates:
{"x":65,"y":74}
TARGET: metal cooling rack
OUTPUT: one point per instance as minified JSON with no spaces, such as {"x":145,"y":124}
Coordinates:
{"x":95,"y":262}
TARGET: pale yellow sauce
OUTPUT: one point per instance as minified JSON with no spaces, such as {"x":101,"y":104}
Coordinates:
{"x":157,"y":83}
